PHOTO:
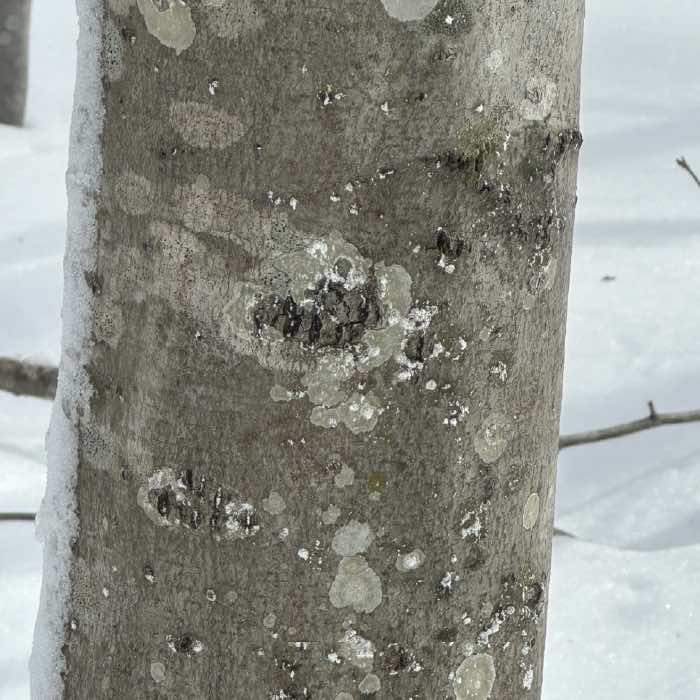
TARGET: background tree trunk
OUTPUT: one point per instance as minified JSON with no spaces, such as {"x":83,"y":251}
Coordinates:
{"x":14,"y":60}
{"x":315,"y":419}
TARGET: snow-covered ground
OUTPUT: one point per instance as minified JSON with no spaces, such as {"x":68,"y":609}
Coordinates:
{"x":624,"y":612}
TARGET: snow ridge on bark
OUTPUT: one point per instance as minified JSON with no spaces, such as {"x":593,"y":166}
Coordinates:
{"x":57,"y":520}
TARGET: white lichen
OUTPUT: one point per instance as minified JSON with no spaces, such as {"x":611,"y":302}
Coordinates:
{"x":357,"y":650}
{"x":410,"y":561}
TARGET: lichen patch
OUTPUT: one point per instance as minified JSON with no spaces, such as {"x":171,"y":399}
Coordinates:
{"x":531,"y":511}
{"x":474,"y":678}
{"x":409,"y":10}
{"x":353,"y":538}
{"x":274,"y":503}
{"x":356,"y":585}
{"x":492,"y":438}
{"x":370,"y":684}
{"x":172,"y":26}
{"x":203,"y":126}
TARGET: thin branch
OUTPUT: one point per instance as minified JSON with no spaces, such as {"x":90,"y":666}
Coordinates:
{"x":653,"y":420}
{"x":26,"y":379}
{"x":683,"y":163}
{"x":7,"y":517}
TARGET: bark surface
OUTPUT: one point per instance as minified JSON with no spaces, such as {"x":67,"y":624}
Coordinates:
{"x":14,"y":60}
{"x":327,"y":345}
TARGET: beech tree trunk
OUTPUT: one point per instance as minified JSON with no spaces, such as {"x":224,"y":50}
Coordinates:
{"x":14,"y":60}
{"x":308,"y":412}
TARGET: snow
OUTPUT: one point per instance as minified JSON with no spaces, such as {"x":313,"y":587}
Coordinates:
{"x":624,"y":608}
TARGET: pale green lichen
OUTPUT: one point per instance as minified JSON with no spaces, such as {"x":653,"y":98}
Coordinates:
{"x":409,"y":10}
{"x":204,"y":126}
{"x":492,"y":438}
{"x":531,"y":511}
{"x":475,"y":677}
{"x":353,"y":538}
{"x":133,"y":193}
{"x":370,"y":684}
{"x":356,"y":585}
{"x":479,"y":138}
{"x":274,"y":503}
{"x":172,"y":26}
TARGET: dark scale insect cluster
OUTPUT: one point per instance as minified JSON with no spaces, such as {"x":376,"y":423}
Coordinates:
{"x":331,"y":315}
{"x":190,"y":502}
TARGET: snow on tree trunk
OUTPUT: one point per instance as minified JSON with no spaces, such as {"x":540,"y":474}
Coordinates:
{"x":311,"y":418}
{"x":14,"y":60}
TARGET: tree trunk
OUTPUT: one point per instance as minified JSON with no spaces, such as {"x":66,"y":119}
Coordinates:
{"x":309,"y":399}
{"x":14,"y":60}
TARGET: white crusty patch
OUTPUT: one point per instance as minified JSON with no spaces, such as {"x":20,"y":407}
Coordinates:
{"x":353,"y":647}
{"x":474,"y":678}
{"x":173,"y":26}
{"x":410,"y":561}
{"x":204,"y":126}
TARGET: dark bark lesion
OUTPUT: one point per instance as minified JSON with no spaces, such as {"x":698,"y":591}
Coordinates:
{"x":333,"y":314}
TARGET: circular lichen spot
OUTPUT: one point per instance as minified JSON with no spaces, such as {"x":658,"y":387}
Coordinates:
{"x":493,"y":437}
{"x":157,"y":671}
{"x":353,"y":538}
{"x":531,"y":511}
{"x":274,"y":504}
{"x":370,"y":684}
{"x":204,"y":126}
{"x":356,"y":586}
{"x":474,"y":678}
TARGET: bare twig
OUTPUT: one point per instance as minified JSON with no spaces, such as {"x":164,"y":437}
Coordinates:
{"x":683,"y":163}
{"x":653,"y":420}
{"x":5,"y":517}
{"x":26,"y":379}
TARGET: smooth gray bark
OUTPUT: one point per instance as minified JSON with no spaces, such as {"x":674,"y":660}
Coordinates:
{"x":327,"y":344}
{"x":14,"y":60}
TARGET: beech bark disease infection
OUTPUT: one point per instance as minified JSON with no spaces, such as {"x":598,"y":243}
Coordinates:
{"x":306,"y":425}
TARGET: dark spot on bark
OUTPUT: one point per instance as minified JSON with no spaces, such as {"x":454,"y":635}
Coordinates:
{"x":450,"y":17}
{"x":94,"y":282}
{"x":415,"y":96}
{"x":163,"y":503}
{"x":331,"y":315}
{"x":397,"y":659}
{"x":533,"y":597}
{"x":184,"y":644}
{"x":195,"y":519}
{"x":447,"y":635}
{"x":450,"y":246}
